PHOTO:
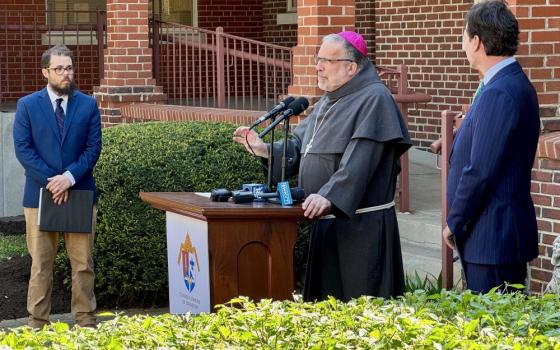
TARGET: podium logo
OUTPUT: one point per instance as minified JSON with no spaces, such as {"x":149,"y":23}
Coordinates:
{"x":189,"y":263}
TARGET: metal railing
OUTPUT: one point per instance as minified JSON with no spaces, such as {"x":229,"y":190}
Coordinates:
{"x":396,"y":79}
{"x":450,"y":122}
{"x":24,"y":35}
{"x":206,"y":68}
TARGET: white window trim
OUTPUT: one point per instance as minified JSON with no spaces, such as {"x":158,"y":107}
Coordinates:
{"x":68,"y":37}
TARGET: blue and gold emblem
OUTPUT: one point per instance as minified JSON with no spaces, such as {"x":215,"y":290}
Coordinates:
{"x":188,"y":259}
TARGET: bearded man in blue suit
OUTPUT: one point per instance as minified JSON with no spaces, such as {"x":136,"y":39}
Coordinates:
{"x":491,"y":218}
{"x":57,"y":139}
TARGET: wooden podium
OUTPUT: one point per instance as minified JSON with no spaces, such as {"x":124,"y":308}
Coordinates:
{"x":221,"y":250}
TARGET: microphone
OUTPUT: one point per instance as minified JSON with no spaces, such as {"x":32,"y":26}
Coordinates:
{"x":295,"y":108}
{"x":274,"y":111}
{"x":247,"y":196}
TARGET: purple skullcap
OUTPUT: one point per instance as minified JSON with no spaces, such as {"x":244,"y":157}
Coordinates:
{"x":355,"y":40}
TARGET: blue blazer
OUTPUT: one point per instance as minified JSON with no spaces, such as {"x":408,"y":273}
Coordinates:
{"x":491,"y":212}
{"x":44,"y":152}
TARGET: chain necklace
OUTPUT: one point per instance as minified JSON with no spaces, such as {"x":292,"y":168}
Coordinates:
{"x":316,"y":128}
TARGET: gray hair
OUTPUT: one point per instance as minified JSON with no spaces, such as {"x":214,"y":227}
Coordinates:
{"x":351,"y":52}
{"x":57,"y":50}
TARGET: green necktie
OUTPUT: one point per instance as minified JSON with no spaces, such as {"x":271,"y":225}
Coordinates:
{"x":478,"y":90}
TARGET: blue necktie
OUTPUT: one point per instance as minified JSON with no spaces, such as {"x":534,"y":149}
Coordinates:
{"x":478,"y":90}
{"x":59,"y":113}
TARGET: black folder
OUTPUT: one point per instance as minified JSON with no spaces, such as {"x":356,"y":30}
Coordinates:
{"x":74,"y":215}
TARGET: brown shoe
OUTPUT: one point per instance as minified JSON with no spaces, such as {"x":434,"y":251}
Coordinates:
{"x":35,"y":323}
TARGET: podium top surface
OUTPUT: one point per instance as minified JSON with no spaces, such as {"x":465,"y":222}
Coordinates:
{"x":201,"y":207}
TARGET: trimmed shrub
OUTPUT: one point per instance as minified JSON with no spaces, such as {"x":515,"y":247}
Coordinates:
{"x":130,"y":249}
{"x":416,"y":321}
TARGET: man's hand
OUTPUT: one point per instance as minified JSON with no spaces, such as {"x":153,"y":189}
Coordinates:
{"x":58,"y":184}
{"x":315,"y":206}
{"x":61,"y":198}
{"x":448,"y":237}
{"x":251,"y":140}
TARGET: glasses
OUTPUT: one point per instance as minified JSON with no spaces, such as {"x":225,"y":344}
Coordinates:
{"x":60,"y":70}
{"x":330,"y":60}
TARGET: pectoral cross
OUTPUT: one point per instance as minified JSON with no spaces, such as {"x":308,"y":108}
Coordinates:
{"x":307,"y":148}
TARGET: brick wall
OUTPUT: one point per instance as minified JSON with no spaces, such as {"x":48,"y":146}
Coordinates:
{"x":242,"y":18}
{"x":365,"y":23}
{"x":142,"y":112}
{"x":316,"y":18}
{"x":539,"y":52}
{"x":279,"y":34}
{"x":27,"y":5}
{"x":545,"y":188}
{"x":21,"y":50}
{"x":426,"y":36}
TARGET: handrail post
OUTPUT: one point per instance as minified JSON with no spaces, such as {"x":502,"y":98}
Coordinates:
{"x":447,"y":119}
{"x":100,"y":42}
{"x":404,"y":202}
{"x":220,"y":68}
{"x":155,"y":50}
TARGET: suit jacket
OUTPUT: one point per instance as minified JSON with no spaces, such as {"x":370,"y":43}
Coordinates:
{"x":44,"y":152}
{"x":491,"y":212}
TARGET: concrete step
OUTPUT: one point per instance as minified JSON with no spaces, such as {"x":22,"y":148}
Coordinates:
{"x":420,"y":227}
{"x":425,"y":260}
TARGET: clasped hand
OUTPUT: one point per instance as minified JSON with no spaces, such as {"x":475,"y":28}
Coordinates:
{"x":58,"y":185}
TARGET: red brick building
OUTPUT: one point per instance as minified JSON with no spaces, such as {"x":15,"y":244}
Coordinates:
{"x":425,"y":35}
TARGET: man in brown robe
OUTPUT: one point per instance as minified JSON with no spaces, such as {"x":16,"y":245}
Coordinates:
{"x":346,"y":154}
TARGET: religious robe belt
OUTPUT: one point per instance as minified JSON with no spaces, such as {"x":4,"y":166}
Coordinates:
{"x":364,"y":210}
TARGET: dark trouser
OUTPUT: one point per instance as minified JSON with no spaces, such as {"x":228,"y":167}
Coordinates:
{"x":481,"y":278}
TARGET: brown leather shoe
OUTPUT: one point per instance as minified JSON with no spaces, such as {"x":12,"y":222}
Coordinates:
{"x":35,"y":323}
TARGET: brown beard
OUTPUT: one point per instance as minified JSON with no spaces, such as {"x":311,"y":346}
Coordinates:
{"x":64,"y":91}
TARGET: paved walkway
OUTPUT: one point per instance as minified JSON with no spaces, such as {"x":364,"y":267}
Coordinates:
{"x":67,"y":318}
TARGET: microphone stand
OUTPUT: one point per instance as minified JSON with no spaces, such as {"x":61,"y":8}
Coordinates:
{"x":270,"y":158}
{"x":285,"y":147}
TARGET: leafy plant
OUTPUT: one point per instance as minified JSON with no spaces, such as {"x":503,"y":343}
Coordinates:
{"x":430,"y":283}
{"x":12,"y":245}
{"x":415,"y":321}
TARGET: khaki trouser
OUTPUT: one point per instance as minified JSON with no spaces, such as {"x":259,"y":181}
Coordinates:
{"x":43,"y":247}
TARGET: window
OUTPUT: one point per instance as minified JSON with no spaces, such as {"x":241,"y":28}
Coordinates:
{"x":292,"y":5}
{"x":175,"y":11}
{"x":61,"y":12}
{"x":290,"y":17}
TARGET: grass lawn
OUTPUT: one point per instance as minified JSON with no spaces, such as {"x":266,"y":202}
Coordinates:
{"x":12,"y":245}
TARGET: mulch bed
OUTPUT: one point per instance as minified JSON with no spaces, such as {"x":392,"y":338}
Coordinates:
{"x":14,"y":278}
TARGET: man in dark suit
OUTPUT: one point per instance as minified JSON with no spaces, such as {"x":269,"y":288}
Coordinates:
{"x":57,"y":139}
{"x":491,"y":215}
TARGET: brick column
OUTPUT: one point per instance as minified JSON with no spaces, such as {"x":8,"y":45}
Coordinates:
{"x":316,"y":18}
{"x":128,"y":61}
{"x":539,"y":54}
{"x":539,"y":51}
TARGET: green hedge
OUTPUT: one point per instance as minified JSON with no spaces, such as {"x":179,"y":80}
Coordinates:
{"x":416,"y":321}
{"x":130,"y":249}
